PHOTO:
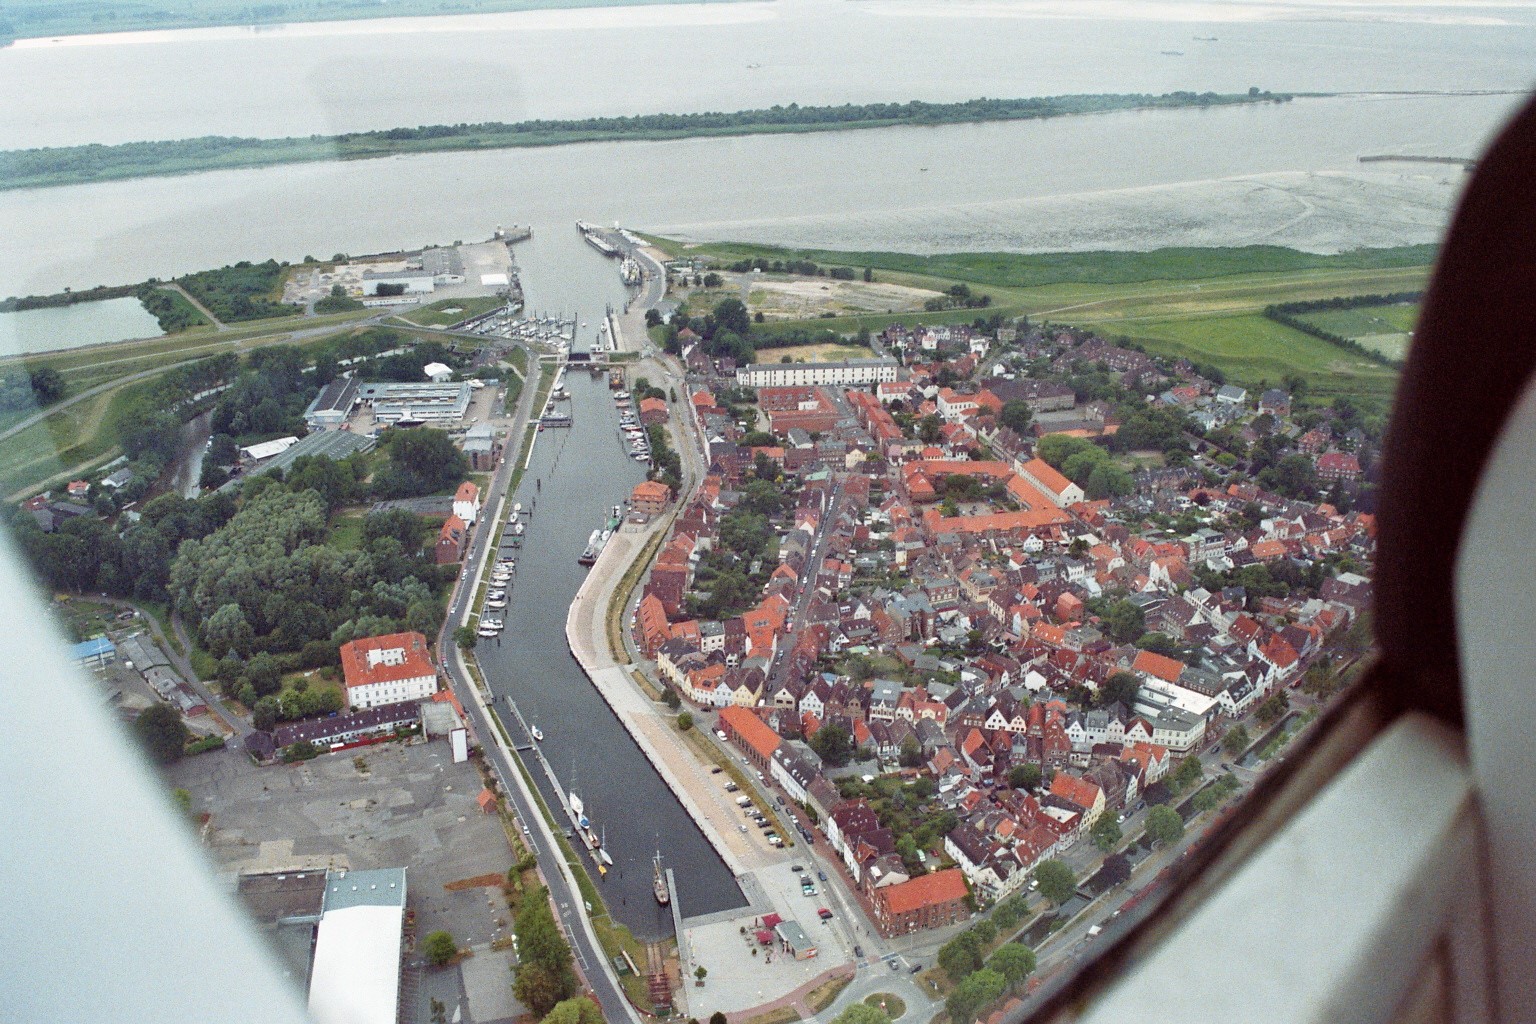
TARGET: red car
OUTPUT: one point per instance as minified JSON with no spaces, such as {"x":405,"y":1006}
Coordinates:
{"x":826,"y":915}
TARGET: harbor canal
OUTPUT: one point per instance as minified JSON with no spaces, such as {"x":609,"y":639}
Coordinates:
{"x":575,"y":478}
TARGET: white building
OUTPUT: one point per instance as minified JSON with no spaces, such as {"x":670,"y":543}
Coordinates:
{"x":414,"y":282}
{"x":438,"y":373}
{"x":778,"y":375}
{"x":355,"y":978}
{"x":466,"y":502}
{"x":387,"y":670}
{"x":267,"y":449}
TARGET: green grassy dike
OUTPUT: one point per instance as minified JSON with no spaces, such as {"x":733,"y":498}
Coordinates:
{"x":73,"y":165}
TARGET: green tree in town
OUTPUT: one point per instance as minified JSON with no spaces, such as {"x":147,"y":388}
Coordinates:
{"x":833,"y":745}
{"x":1236,"y":740}
{"x":1164,"y":825}
{"x":1121,"y":687}
{"x":1057,"y":882}
{"x":975,"y":993}
{"x":861,"y":1013}
{"x":685,"y":721}
{"x":264,"y":714}
{"x":986,"y":931}
{"x":717,"y":1018}
{"x":1010,"y":912}
{"x":928,"y":429}
{"x":580,"y":1010}
{"x":1106,"y":832}
{"x":960,"y":956}
{"x":421,"y":461}
{"x":439,"y":948}
{"x":1024,"y":776}
{"x":731,"y":315}
{"x":1014,"y":961}
{"x":1273,"y":708}
{"x":1189,"y":773}
{"x":911,"y":755}
{"x":465,"y":637}
{"x":1018,"y":416}
{"x":1125,"y":623}
{"x":544,"y":973}
{"x":161,"y":731}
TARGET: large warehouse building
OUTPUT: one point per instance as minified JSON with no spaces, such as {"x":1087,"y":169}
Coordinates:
{"x":855,"y":371}
{"x":434,"y":403}
{"x":356,"y":974}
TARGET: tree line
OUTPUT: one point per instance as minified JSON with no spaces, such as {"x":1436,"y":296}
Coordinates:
{"x":239,"y":291}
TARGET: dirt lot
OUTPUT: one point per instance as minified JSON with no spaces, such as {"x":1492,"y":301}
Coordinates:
{"x":814,"y":353}
{"x":802,"y":298}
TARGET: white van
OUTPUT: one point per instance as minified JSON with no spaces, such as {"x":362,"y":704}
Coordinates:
{"x":743,"y":801}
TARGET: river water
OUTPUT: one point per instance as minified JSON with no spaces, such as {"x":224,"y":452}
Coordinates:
{"x":1286,"y":175}
{"x":350,"y":76}
{"x":576,"y":476}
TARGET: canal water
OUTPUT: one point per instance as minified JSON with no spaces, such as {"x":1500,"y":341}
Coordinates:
{"x":576,"y":477}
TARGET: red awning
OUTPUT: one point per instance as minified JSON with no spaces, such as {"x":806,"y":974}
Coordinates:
{"x":771,"y":920}
{"x":765,"y":938}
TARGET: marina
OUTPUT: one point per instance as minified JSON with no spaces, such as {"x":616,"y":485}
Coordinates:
{"x":592,"y":772}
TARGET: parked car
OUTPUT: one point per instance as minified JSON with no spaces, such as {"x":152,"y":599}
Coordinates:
{"x":797,"y":868}
{"x":858,"y":950}
{"x":821,"y":875}
{"x":914,"y":968}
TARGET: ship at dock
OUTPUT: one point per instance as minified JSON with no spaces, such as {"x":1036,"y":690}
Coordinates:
{"x":594,"y":236}
{"x":659,"y":885}
{"x":589,"y":556}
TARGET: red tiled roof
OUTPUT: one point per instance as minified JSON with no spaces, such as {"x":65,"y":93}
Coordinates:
{"x":413,"y":663}
{"x":752,"y":730}
{"x":1047,"y":476}
{"x":1162,"y":667}
{"x":932,"y":890}
{"x":1074,"y":790}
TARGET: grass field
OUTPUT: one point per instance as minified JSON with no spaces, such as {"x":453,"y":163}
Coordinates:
{"x":1384,"y":329}
{"x":450,"y":311}
{"x":77,"y":435}
{"x":98,"y":364}
{"x":1251,"y":348}
{"x":1397,"y":318}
